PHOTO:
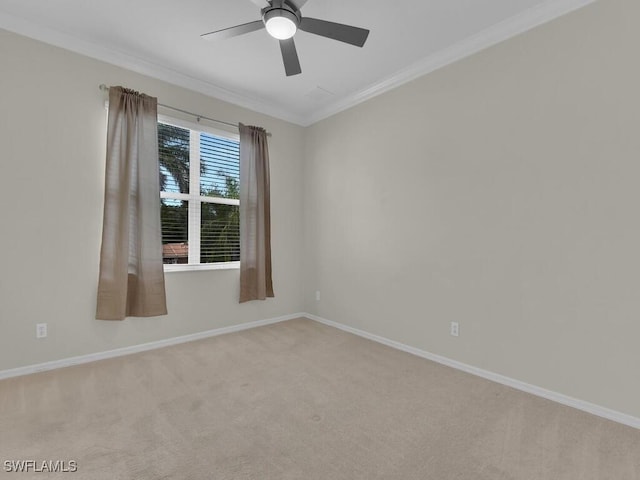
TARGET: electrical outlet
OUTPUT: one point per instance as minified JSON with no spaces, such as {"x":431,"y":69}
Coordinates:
{"x":41,"y":330}
{"x":317,"y":295}
{"x":455,"y":329}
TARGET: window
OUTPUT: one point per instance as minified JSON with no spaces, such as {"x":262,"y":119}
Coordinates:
{"x":200,"y":191}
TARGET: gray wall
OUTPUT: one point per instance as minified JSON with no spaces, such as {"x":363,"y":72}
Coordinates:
{"x":53,"y":136}
{"x":501,"y":192}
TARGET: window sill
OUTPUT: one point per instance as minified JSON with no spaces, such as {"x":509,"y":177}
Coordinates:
{"x":200,"y":267}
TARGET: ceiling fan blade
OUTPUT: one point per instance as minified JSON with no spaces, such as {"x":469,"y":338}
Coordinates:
{"x":261,"y":3}
{"x":337,"y":31}
{"x":234,"y":31}
{"x":290,"y":57}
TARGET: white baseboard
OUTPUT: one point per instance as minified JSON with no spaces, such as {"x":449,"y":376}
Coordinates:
{"x":494,"y":377}
{"x":118,"y":352}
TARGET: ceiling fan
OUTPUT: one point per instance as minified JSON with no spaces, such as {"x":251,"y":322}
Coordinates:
{"x":282,"y":18}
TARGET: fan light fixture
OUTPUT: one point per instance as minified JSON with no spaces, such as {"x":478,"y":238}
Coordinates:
{"x":280,"y":23}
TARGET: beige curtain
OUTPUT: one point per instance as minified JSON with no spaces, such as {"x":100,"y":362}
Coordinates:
{"x":131,"y":282}
{"x":255,"y":216}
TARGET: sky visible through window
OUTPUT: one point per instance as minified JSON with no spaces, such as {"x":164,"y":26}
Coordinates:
{"x":220,"y":176}
{"x":219,"y":166}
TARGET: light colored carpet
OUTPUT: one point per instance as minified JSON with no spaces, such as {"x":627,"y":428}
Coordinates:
{"x":299,"y":400}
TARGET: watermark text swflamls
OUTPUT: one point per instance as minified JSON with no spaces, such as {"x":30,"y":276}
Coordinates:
{"x":42,"y":466}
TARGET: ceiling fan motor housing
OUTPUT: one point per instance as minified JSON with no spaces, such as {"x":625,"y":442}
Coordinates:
{"x":282,"y":10}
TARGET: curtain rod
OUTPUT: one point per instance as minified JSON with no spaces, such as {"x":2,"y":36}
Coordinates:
{"x":104,"y":88}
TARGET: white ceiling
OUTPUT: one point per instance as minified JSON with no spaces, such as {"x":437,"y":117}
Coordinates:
{"x":161,"y":38}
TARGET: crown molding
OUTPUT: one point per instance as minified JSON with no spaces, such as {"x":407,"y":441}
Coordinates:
{"x":74,"y":44}
{"x":543,"y":13}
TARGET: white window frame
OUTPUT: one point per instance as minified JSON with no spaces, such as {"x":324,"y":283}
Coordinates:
{"x":195,"y":199}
